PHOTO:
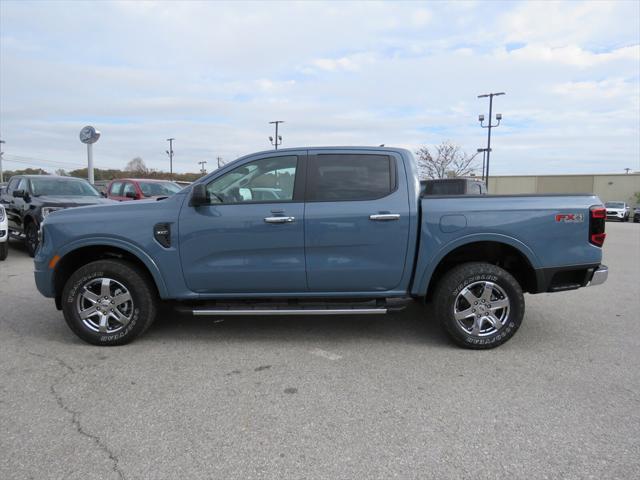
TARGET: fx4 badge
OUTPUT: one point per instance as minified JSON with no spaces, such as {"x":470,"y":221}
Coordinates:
{"x":570,"y":217}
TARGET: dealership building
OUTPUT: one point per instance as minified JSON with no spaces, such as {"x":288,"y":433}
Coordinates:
{"x":609,"y":187}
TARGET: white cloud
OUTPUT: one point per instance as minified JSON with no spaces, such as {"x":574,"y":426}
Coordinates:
{"x":213,"y":74}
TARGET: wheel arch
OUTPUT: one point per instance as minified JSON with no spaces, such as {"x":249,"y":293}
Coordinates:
{"x":74,"y":257}
{"x":509,"y":254}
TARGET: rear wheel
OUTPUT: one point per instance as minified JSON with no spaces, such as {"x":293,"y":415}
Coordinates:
{"x":4,"y":250}
{"x":479,"y":305}
{"x":109,"y":302}
{"x":31,"y":238}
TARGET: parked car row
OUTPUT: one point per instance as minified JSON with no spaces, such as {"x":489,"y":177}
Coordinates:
{"x":27,"y":199}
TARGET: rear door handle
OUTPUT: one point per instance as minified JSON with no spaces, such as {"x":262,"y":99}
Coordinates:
{"x":384,"y":217}
{"x":279,"y":219}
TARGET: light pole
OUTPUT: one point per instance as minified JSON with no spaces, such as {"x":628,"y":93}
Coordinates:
{"x":277,"y":140}
{"x":484,"y":157}
{"x":219,"y":159}
{"x":1,"y":153}
{"x":489,"y":126}
{"x":170,"y":153}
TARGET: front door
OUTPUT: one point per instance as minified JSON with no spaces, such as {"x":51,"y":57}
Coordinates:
{"x":250,"y":237}
{"x":356,"y":221}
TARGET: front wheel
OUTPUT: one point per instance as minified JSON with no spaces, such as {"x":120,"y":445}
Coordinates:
{"x":479,"y":305}
{"x":4,"y":250}
{"x":31,"y":238}
{"x":109,"y":302}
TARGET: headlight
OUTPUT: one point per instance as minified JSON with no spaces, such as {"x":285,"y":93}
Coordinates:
{"x":47,"y":210}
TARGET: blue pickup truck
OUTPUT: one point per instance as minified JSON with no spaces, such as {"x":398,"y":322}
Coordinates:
{"x":318,"y":231}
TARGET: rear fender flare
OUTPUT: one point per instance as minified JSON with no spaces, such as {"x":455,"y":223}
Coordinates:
{"x":420,"y":287}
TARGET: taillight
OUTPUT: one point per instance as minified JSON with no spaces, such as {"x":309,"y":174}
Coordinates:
{"x":597,"y":217}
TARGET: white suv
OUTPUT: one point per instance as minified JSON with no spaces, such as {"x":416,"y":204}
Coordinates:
{"x":618,"y":211}
{"x":4,"y":234}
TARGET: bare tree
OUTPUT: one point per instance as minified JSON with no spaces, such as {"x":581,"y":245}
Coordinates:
{"x":137,"y":165}
{"x":61,"y":172}
{"x":448,"y":160}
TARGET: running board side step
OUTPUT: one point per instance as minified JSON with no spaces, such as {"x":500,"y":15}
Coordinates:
{"x":288,"y":311}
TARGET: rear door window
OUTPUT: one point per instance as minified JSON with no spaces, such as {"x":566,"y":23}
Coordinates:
{"x":349,"y":177}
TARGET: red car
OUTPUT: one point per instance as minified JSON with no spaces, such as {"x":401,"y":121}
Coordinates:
{"x":123,"y":189}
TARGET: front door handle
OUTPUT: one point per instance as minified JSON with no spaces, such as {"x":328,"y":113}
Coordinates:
{"x":279,"y":219}
{"x":384,"y":217}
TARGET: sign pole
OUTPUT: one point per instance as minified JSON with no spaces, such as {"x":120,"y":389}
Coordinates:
{"x":90,"y":162}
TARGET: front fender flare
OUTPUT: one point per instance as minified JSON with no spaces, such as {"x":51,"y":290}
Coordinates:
{"x":129,"y":247}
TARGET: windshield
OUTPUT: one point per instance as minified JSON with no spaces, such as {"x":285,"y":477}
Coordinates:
{"x":62,"y":187}
{"x":614,"y":204}
{"x":158,"y":189}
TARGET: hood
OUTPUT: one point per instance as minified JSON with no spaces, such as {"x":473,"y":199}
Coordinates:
{"x":105,"y":210}
{"x":72,"y":201}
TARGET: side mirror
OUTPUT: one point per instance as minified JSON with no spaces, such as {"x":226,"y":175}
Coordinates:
{"x":199,"y":195}
{"x":19,"y":194}
{"x":130,"y":194}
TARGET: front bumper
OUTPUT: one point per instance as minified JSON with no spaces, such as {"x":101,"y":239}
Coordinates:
{"x":599,"y":276}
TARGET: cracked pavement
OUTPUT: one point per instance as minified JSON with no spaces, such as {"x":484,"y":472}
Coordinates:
{"x":333,"y":397}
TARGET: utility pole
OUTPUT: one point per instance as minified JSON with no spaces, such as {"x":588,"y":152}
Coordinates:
{"x":277,"y":140}
{"x":626,"y":169}
{"x":1,"y":153}
{"x":202,"y":169}
{"x":219,"y":159}
{"x":489,"y":126}
{"x":170,"y":153}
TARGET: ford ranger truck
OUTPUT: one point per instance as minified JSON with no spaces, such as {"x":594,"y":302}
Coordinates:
{"x":318,"y":231}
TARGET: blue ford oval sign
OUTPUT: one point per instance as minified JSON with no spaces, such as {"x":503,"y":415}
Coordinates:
{"x":89,"y":134}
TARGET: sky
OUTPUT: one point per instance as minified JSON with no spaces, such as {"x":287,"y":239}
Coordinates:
{"x":212,"y":75}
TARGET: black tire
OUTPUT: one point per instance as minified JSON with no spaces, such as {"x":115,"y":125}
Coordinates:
{"x":4,"y":250}
{"x":141,"y":311}
{"x":31,"y":238}
{"x":448,"y":295}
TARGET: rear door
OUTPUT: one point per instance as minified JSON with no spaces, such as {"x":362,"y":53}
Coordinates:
{"x":356,"y":221}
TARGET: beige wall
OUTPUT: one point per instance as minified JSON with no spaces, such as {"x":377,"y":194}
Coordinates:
{"x":608,"y":187}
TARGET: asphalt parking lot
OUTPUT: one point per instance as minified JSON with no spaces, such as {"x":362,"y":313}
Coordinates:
{"x":350,"y":398}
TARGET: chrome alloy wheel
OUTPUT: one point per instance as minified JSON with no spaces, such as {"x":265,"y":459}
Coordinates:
{"x":104,"y":305}
{"x":481,"y":308}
